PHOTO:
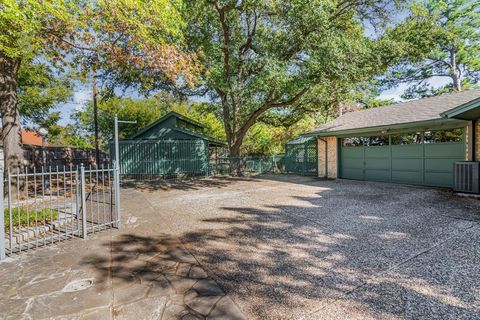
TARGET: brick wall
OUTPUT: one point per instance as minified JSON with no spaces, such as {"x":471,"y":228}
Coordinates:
{"x":321,"y":158}
{"x":61,"y":156}
{"x":331,"y":157}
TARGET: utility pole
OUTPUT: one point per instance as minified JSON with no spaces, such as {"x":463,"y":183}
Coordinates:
{"x":116,"y":167}
{"x":95,"y":118}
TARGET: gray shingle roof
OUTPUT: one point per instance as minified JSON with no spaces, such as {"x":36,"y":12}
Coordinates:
{"x":411,"y":111}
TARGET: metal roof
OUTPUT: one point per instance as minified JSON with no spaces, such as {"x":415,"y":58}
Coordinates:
{"x":421,"y":110}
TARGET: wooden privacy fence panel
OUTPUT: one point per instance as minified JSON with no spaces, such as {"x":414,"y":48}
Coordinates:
{"x":165,"y":158}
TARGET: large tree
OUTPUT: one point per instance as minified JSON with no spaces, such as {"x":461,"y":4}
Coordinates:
{"x":22,"y":37}
{"x":441,"y":39}
{"x":278,"y":57}
{"x":113,"y":39}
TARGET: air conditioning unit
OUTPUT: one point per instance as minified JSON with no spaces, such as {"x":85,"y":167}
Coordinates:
{"x":467,"y":176}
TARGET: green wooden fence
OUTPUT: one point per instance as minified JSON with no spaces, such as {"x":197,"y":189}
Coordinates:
{"x":249,"y":165}
{"x":144,"y":159}
{"x":165,"y":158}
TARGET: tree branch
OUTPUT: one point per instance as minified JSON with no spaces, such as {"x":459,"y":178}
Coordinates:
{"x":266,"y":106}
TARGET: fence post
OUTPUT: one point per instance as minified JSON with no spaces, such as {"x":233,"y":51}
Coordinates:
{"x":84,"y":201}
{"x":2,"y":218}
{"x":116,"y":170}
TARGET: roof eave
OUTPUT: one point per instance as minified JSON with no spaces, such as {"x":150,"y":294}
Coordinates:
{"x":165,"y":117}
{"x":466,"y":111}
{"x":201,"y":136}
{"x":396,"y":127}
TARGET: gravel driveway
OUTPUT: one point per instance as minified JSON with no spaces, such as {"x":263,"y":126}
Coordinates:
{"x":286,"y":247}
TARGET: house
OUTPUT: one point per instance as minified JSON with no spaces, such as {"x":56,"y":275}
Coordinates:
{"x":32,"y":138}
{"x":414,"y":142}
{"x":174,"y":126}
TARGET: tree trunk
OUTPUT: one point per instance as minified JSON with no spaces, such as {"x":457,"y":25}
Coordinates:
{"x":12,"y":146}
{"x":235,"y":161}
{"x":455,"y":74}
{"x":457,"y":85}
{"x":95,"y":120}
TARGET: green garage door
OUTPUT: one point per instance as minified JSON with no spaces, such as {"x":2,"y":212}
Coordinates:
{"x":424,"y":158}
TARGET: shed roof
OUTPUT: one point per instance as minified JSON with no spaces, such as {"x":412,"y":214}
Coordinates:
{"x":175,"y":128}
{"x":414,"y":111}
{"x":165,"y":117}
{"x":301,"y":139}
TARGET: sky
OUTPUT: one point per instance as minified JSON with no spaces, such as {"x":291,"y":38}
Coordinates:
{"x":82,"y":94}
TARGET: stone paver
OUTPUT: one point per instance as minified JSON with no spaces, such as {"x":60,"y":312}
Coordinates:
{"x":280,"y":247}
{"x":139,"y":272}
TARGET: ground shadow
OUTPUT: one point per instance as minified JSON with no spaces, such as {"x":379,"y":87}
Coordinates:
{"x":186,"y":184}
{"x":285,"y":257}
{"x":350,"y":250}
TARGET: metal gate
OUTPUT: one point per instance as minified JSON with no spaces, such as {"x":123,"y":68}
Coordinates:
{"x":301,"y":156}
{"x":44,"y":207}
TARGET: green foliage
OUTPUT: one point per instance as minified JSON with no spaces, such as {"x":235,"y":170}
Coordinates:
{"x":69,"y":136}
{"x":28,"y":216}
{"x":40,"y":90}
{"x":127,"y":43}
{"x":440,"y":38}
{"x":287,"y":58}
{"x":30,"y":27}
{"x":144,"y":112}
{"x":265,"y":139}
{"x":108,"y":35}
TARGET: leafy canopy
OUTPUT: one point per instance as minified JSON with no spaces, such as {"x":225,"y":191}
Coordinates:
{"x":125,"y":39}
{"x":439,"y":38}
{"x":275,"y":58}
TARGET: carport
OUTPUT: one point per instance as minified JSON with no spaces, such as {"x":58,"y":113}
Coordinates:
{"x":414,"y":142}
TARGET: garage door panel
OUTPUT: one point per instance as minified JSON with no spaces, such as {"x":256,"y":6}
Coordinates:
{"x":444,"y":150}
{"x":411,"y":177}
{"x":377,"y":152}
{"x":352,"y":152}
{"x":355,"y":174}
{"x":352,"y":163}
{"x":379,"y":164}
{"x":378,"y":175}
{"x":407,"y":151}
{"x":407,"y":164}
{"x":439,"y":179}
{"x":427,"y":163}
{"x":444,"y":165}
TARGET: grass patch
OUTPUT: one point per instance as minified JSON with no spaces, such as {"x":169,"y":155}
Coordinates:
{"x":27,"y":216}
